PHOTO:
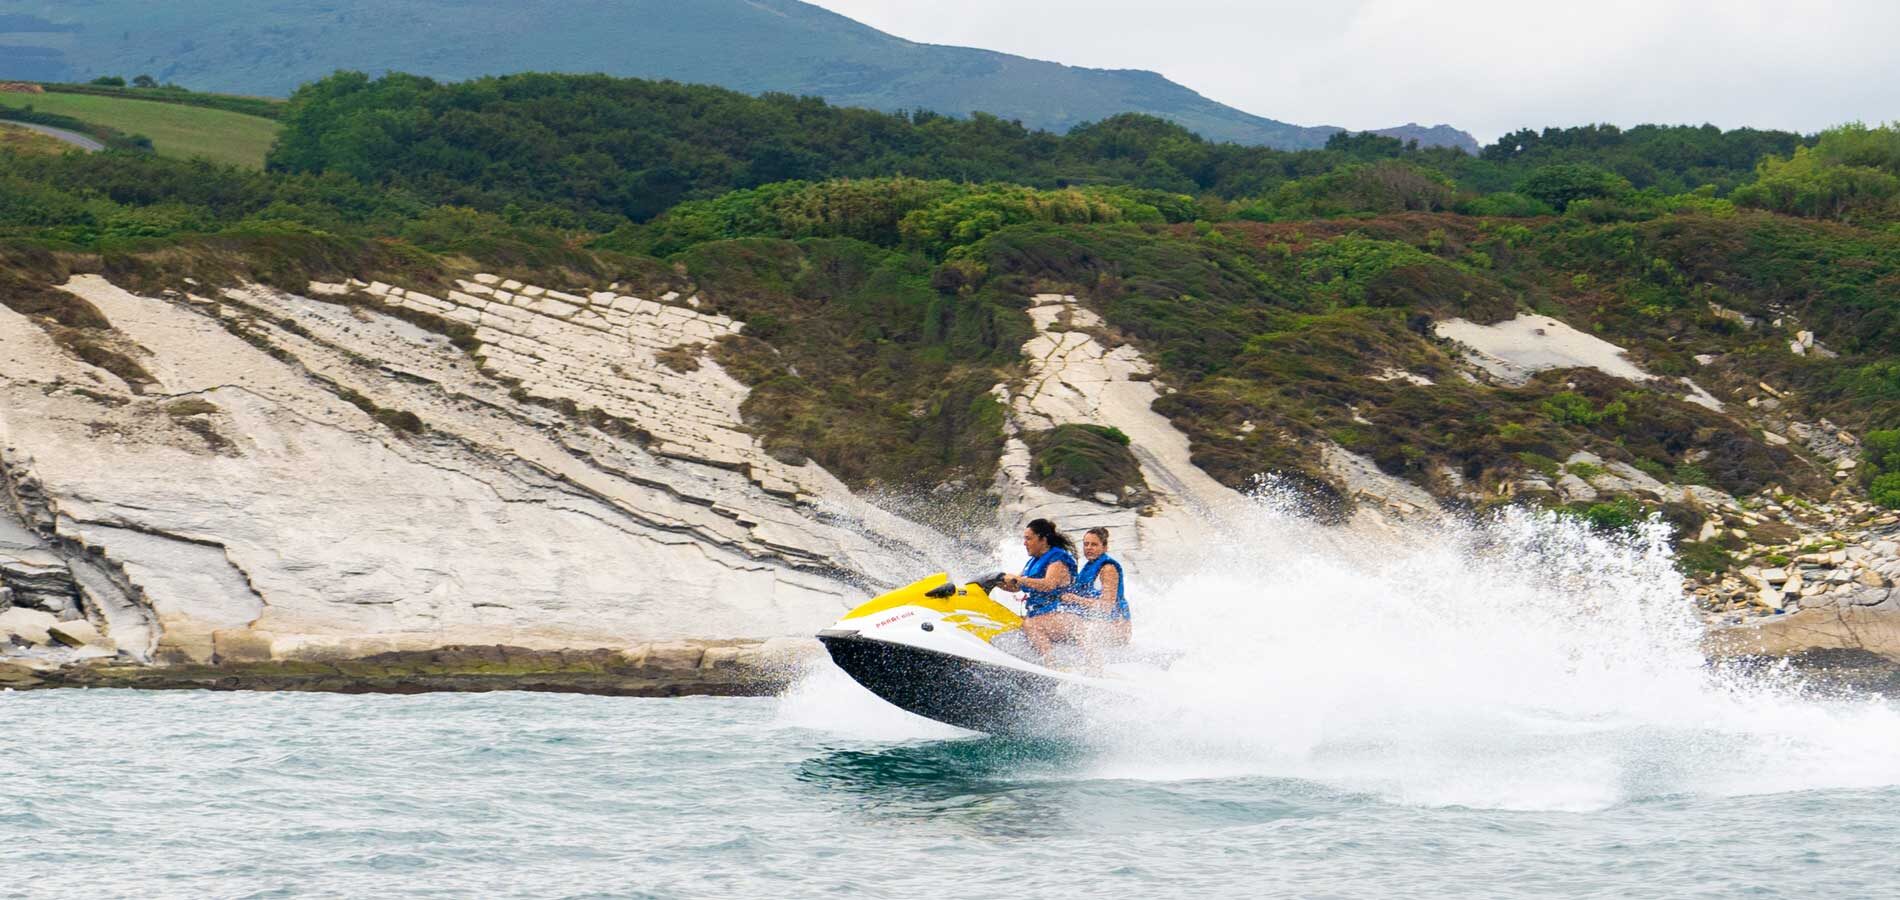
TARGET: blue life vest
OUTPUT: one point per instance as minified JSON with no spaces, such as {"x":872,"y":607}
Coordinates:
{"x":1035,"y":603}
{"x":1087,"y":584}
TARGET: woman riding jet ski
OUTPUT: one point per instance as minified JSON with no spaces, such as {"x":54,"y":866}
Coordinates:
{"x":958,"y":656}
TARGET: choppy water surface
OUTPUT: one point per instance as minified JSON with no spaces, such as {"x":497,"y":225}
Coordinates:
{"x":1518,"y":709}
{"x":106,"y":793}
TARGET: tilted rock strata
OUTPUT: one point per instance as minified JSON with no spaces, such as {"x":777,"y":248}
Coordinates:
{"x":252,"y":503}
{"x":666,"y":669}
{"x":1075,"y":378}
{"x":303,"y":484}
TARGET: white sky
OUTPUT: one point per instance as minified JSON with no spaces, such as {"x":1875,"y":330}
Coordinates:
{"x":1487,"y":66}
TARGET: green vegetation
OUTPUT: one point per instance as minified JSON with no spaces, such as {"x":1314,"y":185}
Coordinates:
{"x":1704,"y":557}
{"x":882,"y":264}
{"x":858,"y":361}
{"x":931,"y":216}
{"x":1851,"y":174}
{"x":1619,"y":514}
{"x":261,"y":107}
{"x":20,"y":141}
{"x":792,"y":48}
{"x":175,"y":130}
{"x":1881,"y":456}
{"x":581,"y":151}
{"x":1085,"y":460}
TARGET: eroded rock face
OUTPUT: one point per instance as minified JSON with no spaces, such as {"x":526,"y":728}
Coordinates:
{"x":296,"y":485}
{"x":1869,"y":622}
{"x":1075,"y":378}
{"x":307,"y":480}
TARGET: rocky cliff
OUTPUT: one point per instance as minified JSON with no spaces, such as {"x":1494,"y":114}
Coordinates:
{"x":258,"y":476}
{"x":366,"y":485}
{"x":495,"y":484}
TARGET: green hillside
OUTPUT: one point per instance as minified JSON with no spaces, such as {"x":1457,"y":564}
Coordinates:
{"x":596,"y":148}
{"x":883,"y":263}
{"x":748,"y":45}
{"x":14,"y":139}
{"x":176,"y":130}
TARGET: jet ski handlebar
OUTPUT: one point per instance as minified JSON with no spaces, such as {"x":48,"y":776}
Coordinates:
{"x":988,"y":580}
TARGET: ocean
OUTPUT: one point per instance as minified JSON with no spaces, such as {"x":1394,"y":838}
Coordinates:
{"x":1518,"y":708}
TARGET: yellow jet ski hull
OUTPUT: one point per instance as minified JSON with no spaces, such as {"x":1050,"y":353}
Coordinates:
{"x":930,"y":648}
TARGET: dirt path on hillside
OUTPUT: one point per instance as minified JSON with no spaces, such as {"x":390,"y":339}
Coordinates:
{"x":88,"y":144}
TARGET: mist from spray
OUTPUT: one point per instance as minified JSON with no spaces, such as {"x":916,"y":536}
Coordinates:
{"x":1522,"y":662}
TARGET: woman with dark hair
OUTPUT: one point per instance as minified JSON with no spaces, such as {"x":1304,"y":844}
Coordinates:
{"x":1099,"y":594}
{"x":1050,"y":571}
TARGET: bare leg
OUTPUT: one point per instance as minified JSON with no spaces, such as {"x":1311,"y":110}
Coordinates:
{"x":1045,"y":630}
{"x":1034,"y":629}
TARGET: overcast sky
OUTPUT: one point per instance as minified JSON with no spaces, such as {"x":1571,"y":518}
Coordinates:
{"x":1487,"y":66}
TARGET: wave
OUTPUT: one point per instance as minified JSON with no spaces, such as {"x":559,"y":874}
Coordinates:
{"x":1517,"y":662}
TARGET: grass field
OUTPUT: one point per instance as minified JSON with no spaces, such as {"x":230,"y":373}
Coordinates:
{"x":176,"y":130}
{"x":19,"y":140}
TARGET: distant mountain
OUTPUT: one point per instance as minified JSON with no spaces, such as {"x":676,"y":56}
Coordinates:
{"x":243,"y":47}
{"x":1435,"y":136}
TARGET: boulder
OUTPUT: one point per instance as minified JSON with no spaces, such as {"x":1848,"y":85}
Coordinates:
{"x":1874,"y":628}
{"x":31,"y":625}
{"x":79,"y":633}
{"x":674,"y":656}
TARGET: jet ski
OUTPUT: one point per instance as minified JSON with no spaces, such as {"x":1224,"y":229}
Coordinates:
{"x":956,"y":655}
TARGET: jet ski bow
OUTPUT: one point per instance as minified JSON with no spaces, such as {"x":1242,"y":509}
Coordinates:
{"x":945,"y":653}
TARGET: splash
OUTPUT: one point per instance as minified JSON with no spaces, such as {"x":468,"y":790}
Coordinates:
{"x":1521,"y":662}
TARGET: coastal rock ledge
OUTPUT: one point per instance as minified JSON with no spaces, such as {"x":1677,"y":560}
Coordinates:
{"x":667,"y":669}
{"x":372,"y":488}
{"x":492,"y":485}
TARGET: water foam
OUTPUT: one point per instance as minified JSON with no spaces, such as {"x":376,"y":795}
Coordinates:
{"x":1519,"y":663}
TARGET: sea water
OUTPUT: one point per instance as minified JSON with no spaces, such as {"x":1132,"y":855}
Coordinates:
{"x":1512,"y":708}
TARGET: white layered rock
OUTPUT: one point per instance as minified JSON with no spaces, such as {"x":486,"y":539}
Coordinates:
{"x":270,"y":517}
{"x":1515,"y":349}
{"x":1074,"y":378}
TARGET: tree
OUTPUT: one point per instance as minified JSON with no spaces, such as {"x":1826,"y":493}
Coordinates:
{"x":145,"y":81}
{"x":1558,"y":185}
{"x":1852,"y":173}
{"x":109,"y":81}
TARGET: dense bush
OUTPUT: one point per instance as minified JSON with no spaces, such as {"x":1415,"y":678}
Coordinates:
{"x":1881,"y":454}
{"x":1852,"y":173}
{"x":1085,"y":460}
{"x":882,"y":262}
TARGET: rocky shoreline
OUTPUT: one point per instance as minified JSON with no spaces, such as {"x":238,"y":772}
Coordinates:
{"x":671,"y":669}
{"x":535,"y":492}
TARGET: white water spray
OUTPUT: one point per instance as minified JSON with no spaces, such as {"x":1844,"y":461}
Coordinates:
{"x":1522,"y":663}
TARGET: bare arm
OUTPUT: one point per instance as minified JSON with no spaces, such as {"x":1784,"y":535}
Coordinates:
{"x":1057,"y":575}
{"x":1111,"y":588}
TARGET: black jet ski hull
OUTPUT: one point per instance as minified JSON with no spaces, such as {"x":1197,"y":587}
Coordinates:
{"x":967,"y":693}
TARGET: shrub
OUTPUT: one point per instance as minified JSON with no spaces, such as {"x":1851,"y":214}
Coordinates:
{"x":1560,"y":185}
{"x":1571,"y":408}
{"x":399,"y":420}
{"x":1703,"y":558}
{"x":1886,"y":490}
{"x":190,"y":406}
{"x":1880,"y":452}
{"x":1084,"y":460}
{"x":1881,"y":449}
{"x":1506,"y":203}
{"x":1616,"y":515}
